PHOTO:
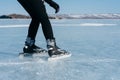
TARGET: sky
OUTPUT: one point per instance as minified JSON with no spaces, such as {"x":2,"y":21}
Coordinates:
{"x":67,"y":7}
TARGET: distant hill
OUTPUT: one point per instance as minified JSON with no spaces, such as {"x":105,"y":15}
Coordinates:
{"x":14,"y":16}
{"x":94,"y":16}
{"x":65,"y":16}
{"x":5,"y":17}
{"x":19,"y":16}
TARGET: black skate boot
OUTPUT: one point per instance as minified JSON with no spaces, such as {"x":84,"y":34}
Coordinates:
{"x":33,"y":49}
{"x":30,"y":48}
{"x":54,"y":51}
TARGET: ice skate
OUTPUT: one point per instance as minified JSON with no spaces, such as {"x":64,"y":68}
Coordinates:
{"x":31,"y":49}
{"x":55,"y":52}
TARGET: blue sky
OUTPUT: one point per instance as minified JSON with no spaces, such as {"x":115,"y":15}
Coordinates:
{"x":67,"y":6}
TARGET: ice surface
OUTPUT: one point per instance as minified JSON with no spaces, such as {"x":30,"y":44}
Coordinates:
{"x":95,"y":51}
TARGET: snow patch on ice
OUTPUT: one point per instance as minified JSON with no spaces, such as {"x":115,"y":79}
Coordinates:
{"x":97,"y":24}
{"x":12,"y":26}
{"x":77,"y":24}
{"x":86,"y":24}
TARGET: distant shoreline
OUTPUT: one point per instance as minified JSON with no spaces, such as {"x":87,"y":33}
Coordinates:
{"x":65,"y":16}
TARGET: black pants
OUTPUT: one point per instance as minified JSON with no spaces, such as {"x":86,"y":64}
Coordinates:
{"x":37,"y":11}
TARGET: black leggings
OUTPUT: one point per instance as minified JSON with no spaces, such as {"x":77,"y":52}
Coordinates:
{"x":37,"y":11}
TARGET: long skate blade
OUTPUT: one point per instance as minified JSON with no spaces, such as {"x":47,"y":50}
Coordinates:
{"x":32,"y":55}
{"x":40,"y":54}
{"x":57,"y":57}
{"x":22,"y":55}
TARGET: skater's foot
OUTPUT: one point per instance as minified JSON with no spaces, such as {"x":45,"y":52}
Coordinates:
{"x":54,"y":50}
{"x":33,"y":49}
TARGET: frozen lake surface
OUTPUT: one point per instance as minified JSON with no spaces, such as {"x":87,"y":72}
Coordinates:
{"x":94,"y":44}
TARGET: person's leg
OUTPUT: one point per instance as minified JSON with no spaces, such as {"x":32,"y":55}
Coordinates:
{"x":33,"y":28}
{"x":41,"y":15}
